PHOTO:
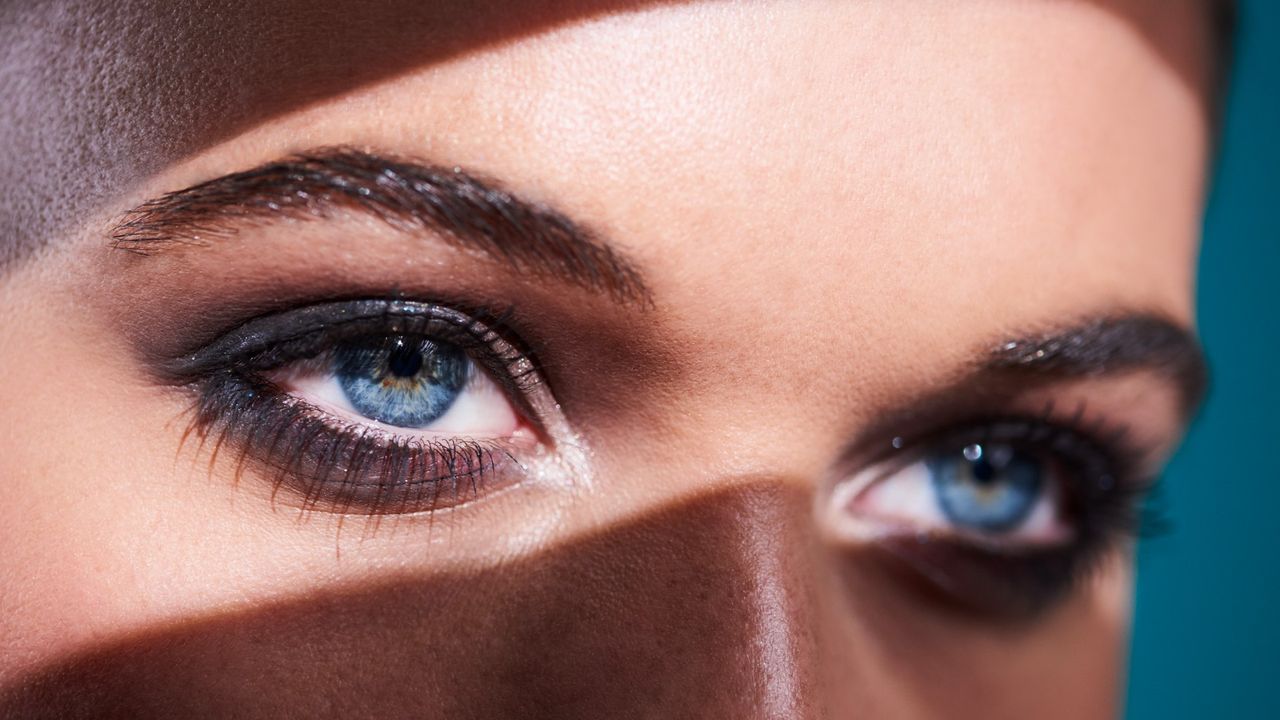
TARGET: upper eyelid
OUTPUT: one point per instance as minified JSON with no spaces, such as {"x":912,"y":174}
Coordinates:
{"x":1113,"y":446}
{"x":261,"y":334}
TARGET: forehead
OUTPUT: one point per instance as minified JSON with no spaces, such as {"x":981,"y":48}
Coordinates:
{"x":112,"y":94}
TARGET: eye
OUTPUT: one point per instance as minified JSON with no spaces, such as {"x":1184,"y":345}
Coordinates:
{"x":371,"y":406}
{"x":1002,"y":515}
{"x":985,"y":490}
{"x":404,"y":382}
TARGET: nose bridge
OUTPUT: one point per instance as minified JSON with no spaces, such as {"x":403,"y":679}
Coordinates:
{"x":710,"y":607}
{"x":773,"y":558}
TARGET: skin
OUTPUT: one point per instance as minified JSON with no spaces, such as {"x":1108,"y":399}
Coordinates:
{"x":834,"y":206}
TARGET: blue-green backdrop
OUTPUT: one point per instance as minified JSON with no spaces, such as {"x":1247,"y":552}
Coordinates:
{"x":1206,"y":637}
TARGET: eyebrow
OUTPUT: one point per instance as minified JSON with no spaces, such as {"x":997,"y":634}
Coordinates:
{"x":1108,"y":346}
{"x":471,"y":213}
{"x":1095,"y":347}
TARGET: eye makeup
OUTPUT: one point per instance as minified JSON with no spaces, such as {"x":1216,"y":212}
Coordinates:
{"x":326,"y":462}
{"x":1005,"y":514}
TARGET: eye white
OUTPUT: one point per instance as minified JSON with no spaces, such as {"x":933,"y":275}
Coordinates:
{"x":481,"y":409}
{"x":877,"y":502}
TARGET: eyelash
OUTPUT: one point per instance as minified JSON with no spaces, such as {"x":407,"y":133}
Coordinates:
{"x":1103,"y":495}
{"x":334,"y":465}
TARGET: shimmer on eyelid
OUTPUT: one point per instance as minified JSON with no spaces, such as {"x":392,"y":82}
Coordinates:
{"x":259,"y":334}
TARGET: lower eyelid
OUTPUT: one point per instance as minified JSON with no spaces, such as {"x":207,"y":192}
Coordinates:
{"x":317,"y":461}
{"x":1012,"y":586}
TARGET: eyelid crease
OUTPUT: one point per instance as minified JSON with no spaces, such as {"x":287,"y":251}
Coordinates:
{"x":407,"y":195}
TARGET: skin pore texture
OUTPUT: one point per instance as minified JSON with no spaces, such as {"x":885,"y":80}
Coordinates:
{"x":848,"y":223}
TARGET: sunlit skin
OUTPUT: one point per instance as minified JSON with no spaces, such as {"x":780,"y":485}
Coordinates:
{"x":836,"y":209}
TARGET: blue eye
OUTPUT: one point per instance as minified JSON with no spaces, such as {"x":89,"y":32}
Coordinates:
{"x":402,"y":381}
{"x":990,"y":486}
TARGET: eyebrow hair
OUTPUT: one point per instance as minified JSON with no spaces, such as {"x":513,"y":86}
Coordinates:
{"x":1108,"y":346}
{"x":465,"y":210}
{"x":1095,"y":347}
{"x":1224,"y":20}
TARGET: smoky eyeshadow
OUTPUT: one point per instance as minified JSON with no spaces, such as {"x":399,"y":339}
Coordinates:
{"x":306,"y":331}
{"x":1013,"y":587}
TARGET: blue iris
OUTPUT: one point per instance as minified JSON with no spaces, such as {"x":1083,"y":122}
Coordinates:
{"x":988,"y":487}
{"x":406,"y":382}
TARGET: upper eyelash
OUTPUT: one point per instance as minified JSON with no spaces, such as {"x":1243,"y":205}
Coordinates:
{"x":1096,"y":443}
{"x":260,"y":345}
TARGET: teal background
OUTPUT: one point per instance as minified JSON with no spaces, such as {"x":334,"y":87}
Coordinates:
{"x":1206,"y":636}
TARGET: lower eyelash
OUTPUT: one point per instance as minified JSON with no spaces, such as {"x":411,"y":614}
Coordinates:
{"x":336,"y":467}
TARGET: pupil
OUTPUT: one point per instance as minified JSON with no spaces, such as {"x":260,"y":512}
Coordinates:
{"x":983,"y":471}
{"x":404,"y":361}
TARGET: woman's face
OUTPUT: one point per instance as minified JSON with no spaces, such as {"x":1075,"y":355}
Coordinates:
{"x":590,"y":359}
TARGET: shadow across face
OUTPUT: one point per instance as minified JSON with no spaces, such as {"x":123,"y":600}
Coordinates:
{"x":102,"y":94}
{"x":701,"y":610}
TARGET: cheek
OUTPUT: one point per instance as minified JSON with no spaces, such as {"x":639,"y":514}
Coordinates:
{"x":80,"y":490}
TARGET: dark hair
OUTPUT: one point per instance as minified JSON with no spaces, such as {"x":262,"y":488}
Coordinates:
{"x":1224,"y":17}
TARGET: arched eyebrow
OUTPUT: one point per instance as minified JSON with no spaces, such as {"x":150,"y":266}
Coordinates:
{"x":463,"y":209}
{"x":1095,"y":347}
{"x":1109,"y":345}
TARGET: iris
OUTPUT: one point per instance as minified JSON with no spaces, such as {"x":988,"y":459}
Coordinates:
{"x":987,"y":487}
{"x":402,"y":381}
